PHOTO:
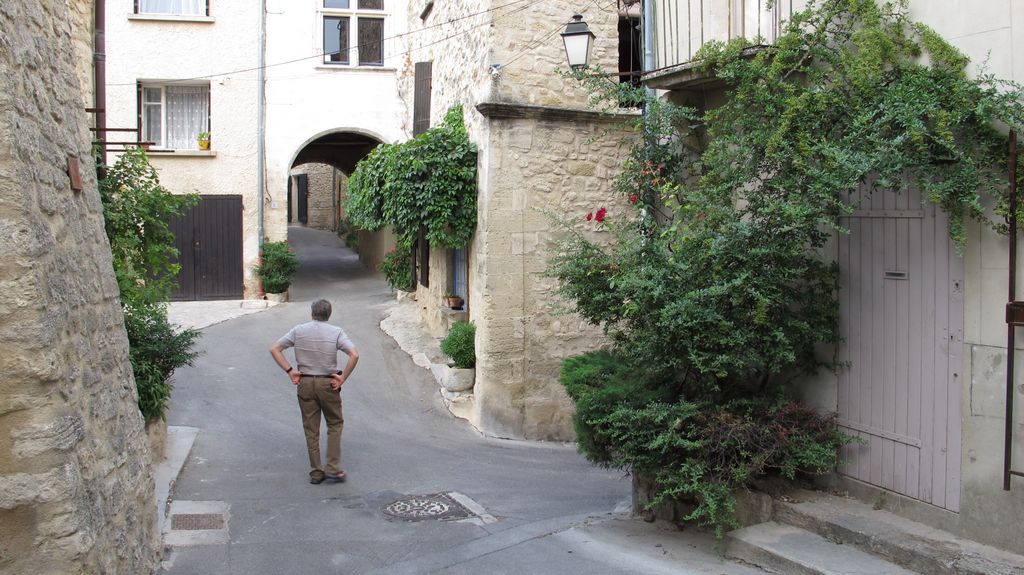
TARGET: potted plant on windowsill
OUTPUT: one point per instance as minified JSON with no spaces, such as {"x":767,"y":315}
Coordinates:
{"x":203,"y":139}
{"x":454,"y":301}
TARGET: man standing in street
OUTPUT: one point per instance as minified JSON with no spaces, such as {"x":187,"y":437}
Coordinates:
{"x":318,"y":384}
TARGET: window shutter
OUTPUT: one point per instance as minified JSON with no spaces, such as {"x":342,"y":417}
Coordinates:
{"x":421,"y":98}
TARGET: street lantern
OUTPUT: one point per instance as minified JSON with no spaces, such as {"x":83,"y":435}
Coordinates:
{"x":577,"y":38}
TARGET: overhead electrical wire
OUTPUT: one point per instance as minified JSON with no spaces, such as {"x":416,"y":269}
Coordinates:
{"x":527,"y":4}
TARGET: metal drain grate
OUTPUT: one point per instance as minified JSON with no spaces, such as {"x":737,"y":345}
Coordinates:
{"x":197,"y":521}
{"x":438,"y":506}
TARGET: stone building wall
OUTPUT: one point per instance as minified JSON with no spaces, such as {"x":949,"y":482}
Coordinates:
{"x":524,"y":334}
{"x":76,"y":487}
{"x":530,"y":161}
{"x":325,"y":195}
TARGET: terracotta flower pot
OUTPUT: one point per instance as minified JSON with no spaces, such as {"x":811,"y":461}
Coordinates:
{"x":454,"y":302}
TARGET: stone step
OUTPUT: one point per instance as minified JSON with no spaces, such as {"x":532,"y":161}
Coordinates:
{"x":898,"y":540}
{"x":789,"y":550}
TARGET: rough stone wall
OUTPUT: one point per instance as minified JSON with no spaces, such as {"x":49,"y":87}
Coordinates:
{"x":325,"y":198}
{"x":510,"y":55}
{"x":523,"y":328}
{"x":76,"y":488}
{"x":530,"y":53}
{"x":461,"y":53}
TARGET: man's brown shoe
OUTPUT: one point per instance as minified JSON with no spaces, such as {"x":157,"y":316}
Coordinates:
{"x":316,"y":480}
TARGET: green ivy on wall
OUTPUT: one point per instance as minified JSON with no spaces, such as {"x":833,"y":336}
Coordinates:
{"x":717,"y":288}
{"x":427,"y":182}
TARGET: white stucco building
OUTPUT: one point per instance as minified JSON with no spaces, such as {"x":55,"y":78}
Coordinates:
{"x":327,"y":94}
{"x":331,"y":90}
{"x":176,"y":68}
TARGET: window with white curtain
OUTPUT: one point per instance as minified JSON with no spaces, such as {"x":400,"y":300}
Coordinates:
{"x":173,"y":116}
{"x":353,"y":31}
{"x":172,"y":7}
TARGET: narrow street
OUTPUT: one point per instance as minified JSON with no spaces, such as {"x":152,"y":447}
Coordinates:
{"x":535,"y":507}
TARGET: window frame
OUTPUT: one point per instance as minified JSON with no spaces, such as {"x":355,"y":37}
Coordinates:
{"x":141,"y":87}
{"x":353,"y":57}
{"x":136,"y":10}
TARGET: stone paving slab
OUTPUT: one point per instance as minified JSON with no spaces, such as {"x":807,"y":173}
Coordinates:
{"x":794,"y":551}
{"x":911,"y":544}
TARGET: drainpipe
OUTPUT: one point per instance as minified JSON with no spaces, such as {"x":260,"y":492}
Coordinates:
{"x":261,"y":138}
{"x":648,"y":31}
{"x":99,"y":72}
{"x":647,"y":23}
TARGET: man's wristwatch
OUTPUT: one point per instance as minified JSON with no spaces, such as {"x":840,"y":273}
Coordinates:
{"x":290,"y":369}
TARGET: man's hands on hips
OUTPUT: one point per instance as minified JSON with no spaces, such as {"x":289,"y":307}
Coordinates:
{"x":337,"y":380}
{"x":294,"y":375}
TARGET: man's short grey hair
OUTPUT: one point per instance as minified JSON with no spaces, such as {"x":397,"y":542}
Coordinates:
{"x":321,"y":309}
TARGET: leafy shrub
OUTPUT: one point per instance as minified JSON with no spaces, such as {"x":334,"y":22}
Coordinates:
{"x":136,"y":215}
{"x":156,"y":350}
{"x":277,"y":267}
{"x":459,"y":344}
{"x":397,"y":269}
{"x":348,"y":233}
{"x":428,"y":183}
{"x":136,"y":212}
{"x":692,"y":449}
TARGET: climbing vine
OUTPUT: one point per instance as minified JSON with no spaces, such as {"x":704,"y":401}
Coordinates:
{"x":716,"y":288}
{"x":428,"y":183}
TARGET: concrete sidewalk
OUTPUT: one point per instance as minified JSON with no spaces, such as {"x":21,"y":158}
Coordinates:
{"x":426,"y":493}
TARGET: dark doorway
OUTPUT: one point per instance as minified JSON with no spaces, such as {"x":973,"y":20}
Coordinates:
{"x":302,"y":197}
{"x":209,"y":242}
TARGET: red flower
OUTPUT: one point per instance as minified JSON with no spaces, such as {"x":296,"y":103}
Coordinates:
{"x":590,"y":216}
{"x":633,"y":198}
{"x":600,"y":214}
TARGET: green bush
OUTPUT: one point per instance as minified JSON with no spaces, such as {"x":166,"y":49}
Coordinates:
{"x":397,"y":269}
{"x":155,"y":350}
{"x":348,"y":233}
{"x":277,"y":267}
{"x":136,"y":212}
{"x":693,"y":450}
{"x":459,"y":344}
{"x":427,"y":183}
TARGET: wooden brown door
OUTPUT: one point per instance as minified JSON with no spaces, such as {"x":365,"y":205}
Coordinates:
{"x":209,"y":241}
{"x":902,"y":320}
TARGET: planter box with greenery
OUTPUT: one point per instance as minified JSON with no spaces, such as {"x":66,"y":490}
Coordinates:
{"x":458,"y":345}
{"x":277,"y":267}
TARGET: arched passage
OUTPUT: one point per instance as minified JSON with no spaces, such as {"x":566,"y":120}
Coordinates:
{"x":318,"y":177}
{"x":317,"y":188}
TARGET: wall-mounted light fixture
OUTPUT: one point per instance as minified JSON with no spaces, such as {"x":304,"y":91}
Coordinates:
{"x":577,"y":38}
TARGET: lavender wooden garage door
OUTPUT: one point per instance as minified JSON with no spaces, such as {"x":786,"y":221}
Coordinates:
{"x":901,"y":302}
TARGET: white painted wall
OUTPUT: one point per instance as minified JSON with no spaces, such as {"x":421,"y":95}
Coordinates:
{"x":307,"y":99}
{"x":221,"y":49}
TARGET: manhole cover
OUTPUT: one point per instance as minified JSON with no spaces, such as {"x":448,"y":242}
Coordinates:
{"x":423,"y":507}
{"x":197,"y":521}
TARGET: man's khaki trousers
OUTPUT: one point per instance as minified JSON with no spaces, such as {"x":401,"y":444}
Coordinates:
{"x":316,"y":396}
